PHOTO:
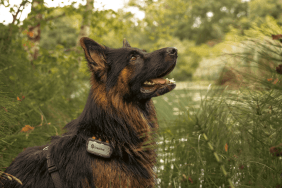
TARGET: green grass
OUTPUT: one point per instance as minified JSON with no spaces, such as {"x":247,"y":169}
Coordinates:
{"x":236,"y":142}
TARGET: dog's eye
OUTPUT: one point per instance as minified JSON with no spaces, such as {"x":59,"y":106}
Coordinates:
{"x":133,"y":58}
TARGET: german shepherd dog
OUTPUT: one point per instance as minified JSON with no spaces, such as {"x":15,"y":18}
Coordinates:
{"x":112,"y":143}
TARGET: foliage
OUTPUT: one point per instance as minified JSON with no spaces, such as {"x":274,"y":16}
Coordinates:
{"x":62,"y":31}
{"x":241,"y":127}
{"x":257,"y":111}
{"x":259,"y":31}
{"x":35,"y":95}
{"x":199,"y":21}
{"x":261,"y":9}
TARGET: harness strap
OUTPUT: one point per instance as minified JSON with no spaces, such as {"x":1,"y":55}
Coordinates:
{"x":53,"y":170}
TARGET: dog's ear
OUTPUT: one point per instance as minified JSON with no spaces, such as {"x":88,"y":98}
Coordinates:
{"x":126,"y":44}
{"x":94,"y":52}
{"x":95,"y":55}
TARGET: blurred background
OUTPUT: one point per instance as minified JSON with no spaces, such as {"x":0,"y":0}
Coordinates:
{"x":197,"y":28}
{"x":44,"y":79}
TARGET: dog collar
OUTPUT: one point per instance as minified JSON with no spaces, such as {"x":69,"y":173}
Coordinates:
{"x":97,"y":147}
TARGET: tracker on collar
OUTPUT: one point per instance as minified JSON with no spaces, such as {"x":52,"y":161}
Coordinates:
{"x":97,"y":147}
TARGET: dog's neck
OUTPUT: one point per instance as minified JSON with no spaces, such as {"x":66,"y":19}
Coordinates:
{"x":130,"y":132}
{"x":119,"y":123}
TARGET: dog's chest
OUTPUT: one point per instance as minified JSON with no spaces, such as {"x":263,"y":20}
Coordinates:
{"x":107,"y":174}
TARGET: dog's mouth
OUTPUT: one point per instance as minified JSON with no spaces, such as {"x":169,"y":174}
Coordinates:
{"x":159,"y":83}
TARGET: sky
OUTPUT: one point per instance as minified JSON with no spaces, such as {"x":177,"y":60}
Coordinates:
{"x":99,"y":4}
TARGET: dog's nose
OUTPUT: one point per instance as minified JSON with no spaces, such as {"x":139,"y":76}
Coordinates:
{"x":171,"y":51}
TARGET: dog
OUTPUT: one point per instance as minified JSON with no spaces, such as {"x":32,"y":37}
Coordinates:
{"x":112,"y":143}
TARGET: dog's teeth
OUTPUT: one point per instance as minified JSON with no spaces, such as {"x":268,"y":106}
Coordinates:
{"x":149,"y":83}
{"x":167,"y":81}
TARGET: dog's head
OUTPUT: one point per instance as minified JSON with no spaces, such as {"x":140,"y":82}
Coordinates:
{"x":130,"y":73}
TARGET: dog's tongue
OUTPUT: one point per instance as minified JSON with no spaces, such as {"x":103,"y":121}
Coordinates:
{"x":158,"y":80}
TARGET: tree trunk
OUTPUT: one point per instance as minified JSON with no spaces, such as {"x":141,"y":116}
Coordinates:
{"x":34,"y":31}
{"x":85,"y":27}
